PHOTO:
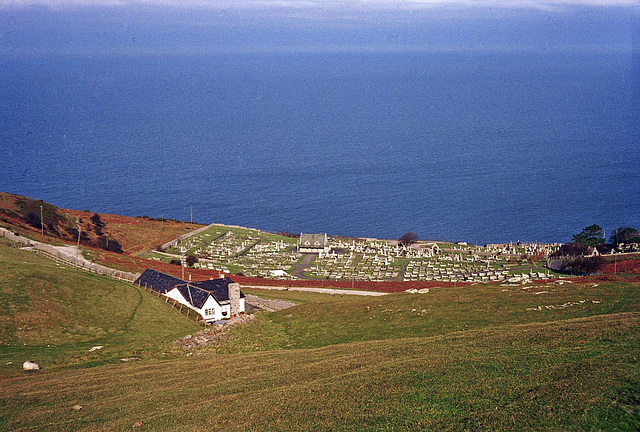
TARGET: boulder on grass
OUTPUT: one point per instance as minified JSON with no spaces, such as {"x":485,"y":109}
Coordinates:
{"x":29,"y":365}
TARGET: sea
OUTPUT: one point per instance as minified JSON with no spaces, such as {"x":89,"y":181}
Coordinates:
{"x":482,"y":147}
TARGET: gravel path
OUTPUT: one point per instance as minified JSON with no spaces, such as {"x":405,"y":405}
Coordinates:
{"x":318,"y":290}
{"x":267,"y":304}
{"x":299,"y":269}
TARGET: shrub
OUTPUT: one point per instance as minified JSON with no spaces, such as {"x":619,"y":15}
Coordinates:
{"x":586,"y":265}
{"x":408,"y":239}
{"x":111,"y":245}
{"x":95,"y":219}
{"x":33,"y":220}
{"x":191,"y":260}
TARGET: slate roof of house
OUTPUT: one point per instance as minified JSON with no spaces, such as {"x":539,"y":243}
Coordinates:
{"x":157,"y":281}
{"x":219,"y":288}
{"x":313,"y":240}
{"x":194,"y":295}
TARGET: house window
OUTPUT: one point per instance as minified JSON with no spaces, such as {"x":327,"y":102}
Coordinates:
{"x":224,"y":313}
{"x":209,"y":311}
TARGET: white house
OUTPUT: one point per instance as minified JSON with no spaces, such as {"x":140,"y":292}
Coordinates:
{"x":214,"y":300}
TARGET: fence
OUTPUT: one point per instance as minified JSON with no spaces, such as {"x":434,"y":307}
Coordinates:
{"x":185,"y":310}
{"x":58,"y":256}
{"x":78,"y":262}
{"x":184,"y":236}
{"x":198,"y":231}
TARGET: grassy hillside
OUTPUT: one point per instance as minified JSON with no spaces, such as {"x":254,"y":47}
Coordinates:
{"x":137,"y":234}
{"x":577,"y":374}
{"x":53,"y":315}
{"x":346,"y":319}
{"x":555,"y":357}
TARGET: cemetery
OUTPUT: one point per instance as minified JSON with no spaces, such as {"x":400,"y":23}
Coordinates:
{"x":250,"y":252}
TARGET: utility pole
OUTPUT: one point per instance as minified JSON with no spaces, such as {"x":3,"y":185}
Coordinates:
{"x":41,"y":222}
{"x":192,"y":214}
{"x":79,"y":231}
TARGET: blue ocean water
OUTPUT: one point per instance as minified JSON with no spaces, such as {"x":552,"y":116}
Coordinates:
{"x":481,"y":147}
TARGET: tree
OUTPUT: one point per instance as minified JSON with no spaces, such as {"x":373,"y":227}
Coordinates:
{"x":590,"y":236}
{"x":625,"y":235}
{"x":408,"y":239}
{"x":570,"y":249}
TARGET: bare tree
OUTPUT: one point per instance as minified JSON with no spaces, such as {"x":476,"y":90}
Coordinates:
{"x":408,"y":239}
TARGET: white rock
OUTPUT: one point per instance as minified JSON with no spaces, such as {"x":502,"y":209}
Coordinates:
{"x":96,"y":348}
{"x":29,"y":365}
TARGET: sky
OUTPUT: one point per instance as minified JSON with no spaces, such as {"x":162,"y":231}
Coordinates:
{"x":105,"y":27}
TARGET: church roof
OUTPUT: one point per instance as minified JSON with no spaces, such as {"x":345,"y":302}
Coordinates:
{"x":314,"y":240}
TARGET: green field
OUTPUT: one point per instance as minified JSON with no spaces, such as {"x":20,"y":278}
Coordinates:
{"x":347,"y":318}
{"x":484,"y":357}
{"x":54,"y":315}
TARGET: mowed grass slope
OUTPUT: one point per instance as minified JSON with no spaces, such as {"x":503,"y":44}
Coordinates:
{"x":486,"y":357}
{"x":578,"y":374}
{"x":53,"y":315}
{"x":346,"y":319}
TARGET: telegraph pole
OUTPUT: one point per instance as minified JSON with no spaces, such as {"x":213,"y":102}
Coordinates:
{"x":41,"y":222}
{"x":79,"y":231}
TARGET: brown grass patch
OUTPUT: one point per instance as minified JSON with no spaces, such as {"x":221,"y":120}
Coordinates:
{"x":136,"y":235}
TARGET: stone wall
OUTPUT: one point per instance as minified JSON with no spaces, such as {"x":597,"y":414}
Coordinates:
{"x":77,"y":261}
